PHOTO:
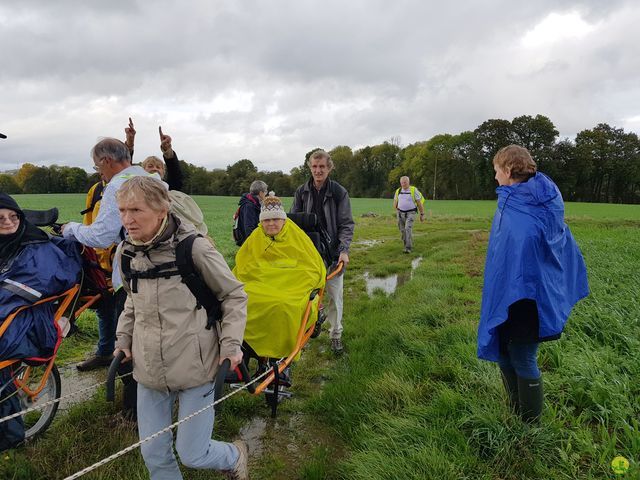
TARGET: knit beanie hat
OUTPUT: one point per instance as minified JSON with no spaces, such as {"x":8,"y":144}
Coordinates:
{"x":272,"y":208}
{"x":7,"y":201}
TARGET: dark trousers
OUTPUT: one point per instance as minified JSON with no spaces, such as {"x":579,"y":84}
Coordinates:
{"x":521,"y":357}
{"x":11,"y":431}
{"x":130,"y":386}
{"x":107,"y":322}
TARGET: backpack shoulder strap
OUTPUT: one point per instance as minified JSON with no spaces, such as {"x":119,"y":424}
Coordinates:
{"x":204,"y":296}
{"x":184,"y":256}
{"x":131,"y":277}
{"x":95,"y":197}
{"x":125,"y":267}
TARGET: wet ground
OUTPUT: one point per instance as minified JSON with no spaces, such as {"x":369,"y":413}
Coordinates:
{"x":367,"y":243}
{"x":390,"y":283}
{"x":280,"y":447}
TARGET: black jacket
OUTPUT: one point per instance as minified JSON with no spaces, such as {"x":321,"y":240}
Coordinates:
{"x":174,"y":175}
{"x":248,"y":216}
{"x":337,"y":213}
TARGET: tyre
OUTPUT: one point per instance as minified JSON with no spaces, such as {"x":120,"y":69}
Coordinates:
{"x":37,"y":421}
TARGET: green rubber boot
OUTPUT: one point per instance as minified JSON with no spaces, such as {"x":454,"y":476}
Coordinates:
{"x":531,"y":398}
{"x":510,"y":382}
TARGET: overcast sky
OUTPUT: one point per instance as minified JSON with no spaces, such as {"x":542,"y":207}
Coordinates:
{"x":270,"y":80}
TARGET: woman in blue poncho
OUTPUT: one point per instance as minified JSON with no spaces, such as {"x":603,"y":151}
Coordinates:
{"x":534,"y":275}
{"x":33,"y":266}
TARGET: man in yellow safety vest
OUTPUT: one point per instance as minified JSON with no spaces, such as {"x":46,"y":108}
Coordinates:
{"x":407,"y":201}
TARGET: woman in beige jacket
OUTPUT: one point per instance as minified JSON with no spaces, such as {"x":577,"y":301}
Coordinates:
{"x":163,"y":332}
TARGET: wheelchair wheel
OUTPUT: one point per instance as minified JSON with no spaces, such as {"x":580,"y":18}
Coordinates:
{"x":38,"y":421}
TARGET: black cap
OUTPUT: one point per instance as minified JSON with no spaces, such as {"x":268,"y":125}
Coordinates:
{"x":2,"y":135}
{"x":6,"y":201}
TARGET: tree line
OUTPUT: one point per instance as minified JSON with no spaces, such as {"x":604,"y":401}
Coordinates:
{"x":601,"y":164}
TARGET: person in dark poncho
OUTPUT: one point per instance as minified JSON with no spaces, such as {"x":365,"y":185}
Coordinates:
{"x":534,"y":275}
{"x":249,"y":210}
{"x":33,"y":266}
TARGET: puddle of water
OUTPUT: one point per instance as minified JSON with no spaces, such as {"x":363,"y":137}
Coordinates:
{"x":253,"y":433}
{"x":367,"y":243}
{"x":260,"y":431}
{"x":389,"y":284}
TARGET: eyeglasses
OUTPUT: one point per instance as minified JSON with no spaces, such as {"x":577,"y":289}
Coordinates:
{"x":98,"y":164}
{"x":11,"y":218}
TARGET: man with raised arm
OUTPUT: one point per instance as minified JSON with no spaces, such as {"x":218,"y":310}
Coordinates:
{"x":112,"y":160}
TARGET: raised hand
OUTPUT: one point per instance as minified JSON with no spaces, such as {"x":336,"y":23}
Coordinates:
{"x":130,"y":133}
{"x":165,"y":141}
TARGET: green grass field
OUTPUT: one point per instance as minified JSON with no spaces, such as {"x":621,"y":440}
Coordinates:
{"x":409,"y":399}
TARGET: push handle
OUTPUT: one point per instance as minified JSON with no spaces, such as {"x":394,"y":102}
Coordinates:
{"x":243,"y":374}
{"x":111,"y":376}
{"x":336,"y":271}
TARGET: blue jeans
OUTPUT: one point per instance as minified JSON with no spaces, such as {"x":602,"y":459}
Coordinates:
{"x":193,"y":441}
{"x":108,"y":312}
{"x":522,"y":358}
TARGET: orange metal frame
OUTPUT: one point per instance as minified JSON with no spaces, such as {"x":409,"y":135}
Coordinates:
{"x":67,"y":298}
{"x":304,"y":334}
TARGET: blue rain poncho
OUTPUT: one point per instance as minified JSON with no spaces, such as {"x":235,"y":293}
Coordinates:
{"x":531,"y":255}
{"x":45,"y":268}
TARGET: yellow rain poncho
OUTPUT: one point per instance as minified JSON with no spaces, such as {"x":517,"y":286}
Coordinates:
{"x":278,"y":274}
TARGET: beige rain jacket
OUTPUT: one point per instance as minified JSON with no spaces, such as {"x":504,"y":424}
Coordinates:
{"x":170,"y":346}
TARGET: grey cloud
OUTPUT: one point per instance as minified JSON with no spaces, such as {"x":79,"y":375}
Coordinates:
{"x":329,"y":73}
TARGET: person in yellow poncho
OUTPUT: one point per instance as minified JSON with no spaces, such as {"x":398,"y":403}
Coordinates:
{"x":280,"y":267}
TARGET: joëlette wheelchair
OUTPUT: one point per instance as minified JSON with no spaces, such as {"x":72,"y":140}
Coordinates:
{"x":274,"y":385}
{"x":37,"y":379}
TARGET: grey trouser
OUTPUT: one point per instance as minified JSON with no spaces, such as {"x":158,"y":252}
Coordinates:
{"x":193,"y":441}
{"x":334,"y":290}
{"x":405,"y":224}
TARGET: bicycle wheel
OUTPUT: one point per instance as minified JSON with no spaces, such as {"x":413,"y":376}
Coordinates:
{"x":37,"y":421}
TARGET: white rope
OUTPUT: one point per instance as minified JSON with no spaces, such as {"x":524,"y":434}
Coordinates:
{"x":106,"y":460}
{"x":56,"y":400}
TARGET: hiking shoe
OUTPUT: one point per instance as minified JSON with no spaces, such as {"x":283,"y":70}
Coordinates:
{"x":241,"y":469}
{"x":336,"y":346}
{"x":94,"y":362}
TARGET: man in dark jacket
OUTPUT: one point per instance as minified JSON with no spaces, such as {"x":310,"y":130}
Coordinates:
{"x":249,"y":210}
{"x":330,"y":202}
